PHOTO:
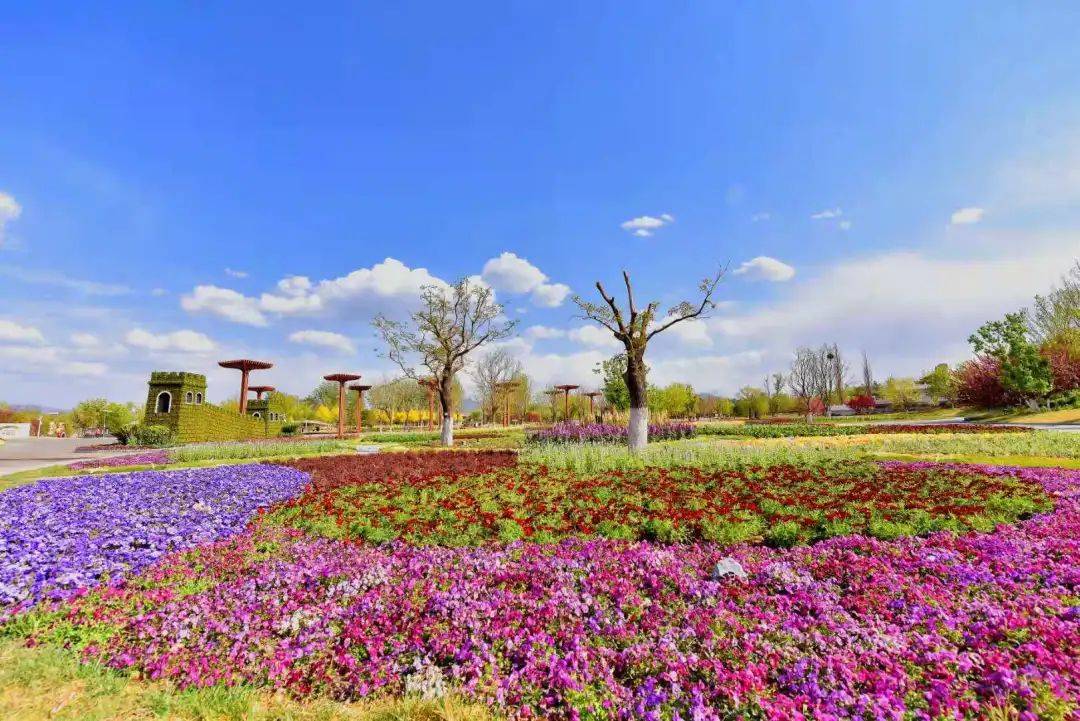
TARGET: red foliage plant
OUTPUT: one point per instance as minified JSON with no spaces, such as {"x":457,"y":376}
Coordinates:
{"x":1064,"y":365}
{"x":861,"y":404}
{"x":979,"y":383}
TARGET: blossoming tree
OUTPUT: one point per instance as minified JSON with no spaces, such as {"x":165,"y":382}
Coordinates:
{"x":634,"y":329}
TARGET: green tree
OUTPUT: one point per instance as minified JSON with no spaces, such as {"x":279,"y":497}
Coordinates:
{"x":680,"y":400}
{"x":940,"y":383}
{"x":751,"y":402}
{"x":612,"y":373}
{"x":90,"y":413}
{"x":901,"y":392}
{"x":1023,"y":370}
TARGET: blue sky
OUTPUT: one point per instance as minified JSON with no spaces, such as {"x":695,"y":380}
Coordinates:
{"x":168,"y":172}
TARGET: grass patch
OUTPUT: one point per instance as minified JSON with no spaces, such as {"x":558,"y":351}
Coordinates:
{"x":51,"y":683}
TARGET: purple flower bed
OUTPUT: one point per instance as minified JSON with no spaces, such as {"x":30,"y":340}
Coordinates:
{"x":61,"y":535}
{"x":972,"y":626}
{"x":607,"y":433}
{"x":148,"y":458}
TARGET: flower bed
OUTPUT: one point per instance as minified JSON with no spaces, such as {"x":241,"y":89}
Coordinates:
{"x":607,"y":433}
{"x":791,"y":430}
{"x":444,"y":499}
{"x":58,"y":536}
{"x":946,"y":626}
{"x":149,"y":458}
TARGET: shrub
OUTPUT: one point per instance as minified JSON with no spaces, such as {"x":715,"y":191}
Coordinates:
{"x":152,"y":435}
{"x":289,"y":429}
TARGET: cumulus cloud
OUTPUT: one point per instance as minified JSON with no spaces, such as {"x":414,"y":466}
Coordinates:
{"x":764,"y":267}
{"x":643,"y":226}
{"x":827,"y":214}
{"x":513,"y":274}
{"x":182,"y":341}
{"x":593,"y":335}
{"x":236,"y":273}
{"x":694,"y":333}
{"x":12,"y":332}
{"x":45,"y":361}
{"x":967,"y":216}
{"x":224,"y":303}
{"x":323,"y":339}
{"x":85,"y":340}
{"x":543,"y":332}
{"x":9,"y":210}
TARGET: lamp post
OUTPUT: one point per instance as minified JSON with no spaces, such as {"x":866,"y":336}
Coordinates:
{"x":341,"y":379}
{"x":431,"y":384}
{"x":566,"y":388}
{"x":245,"y":366}
{"x":359,"y":405}
{"x":507,"y":387}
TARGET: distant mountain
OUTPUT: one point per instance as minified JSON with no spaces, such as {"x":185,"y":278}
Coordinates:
{"x":39,"y":409}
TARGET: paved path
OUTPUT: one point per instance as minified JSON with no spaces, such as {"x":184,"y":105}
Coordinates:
{"x":24,"y":454}
{"x":1066,"y":427}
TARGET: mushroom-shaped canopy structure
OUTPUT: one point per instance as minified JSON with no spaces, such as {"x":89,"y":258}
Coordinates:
{"x":341,"y":379}
{"x":259,"y":390}
{"x":245,"y":366}
{"x":566,"y":388}
{"x":359,"y":388}
{"x":506,"y":387}
{"x":592,"y":396}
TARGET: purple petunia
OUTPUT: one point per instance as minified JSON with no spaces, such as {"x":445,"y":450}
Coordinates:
{"x":608,"y":433}
{"x":60,"y":535}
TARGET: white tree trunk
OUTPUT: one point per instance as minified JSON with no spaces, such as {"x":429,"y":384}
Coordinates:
{"x":638,"y":436}
{"x":447,"y":429}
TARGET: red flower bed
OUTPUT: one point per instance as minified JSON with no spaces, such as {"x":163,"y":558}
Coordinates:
{"x":442,"y":498}
{"x":944,"y":428}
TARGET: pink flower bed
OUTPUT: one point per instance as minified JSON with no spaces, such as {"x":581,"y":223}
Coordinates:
{"x":942,"y":626}
{"x":148,"y":458}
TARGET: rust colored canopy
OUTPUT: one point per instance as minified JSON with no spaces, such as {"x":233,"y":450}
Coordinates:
{"x":341,"y":377}
{"x":259,"y":390}
{"x":246,"y":364}
{"x":567,"y":388}
{"x":358,"y":387}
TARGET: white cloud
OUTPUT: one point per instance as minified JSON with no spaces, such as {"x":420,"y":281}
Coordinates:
{"x":323,"y":339}
{"x":967,"y":216}
{"x":644,"y":225}
{"x":513,"y":274}
{"x":593,"y":335}
{"x":294,"y":285}
{"x":236,"y":273}
{"x":844,"y":225}
{"x":827,"y":214}
{"x":760,"y":217}
{"x":85,"y":340}
{"x":550,"y":295}
{"x":12,"y":332}
{"x":543,"y":332}
{"x":224,"y":303}
{"x":183,"y":341}
{"x":158,"y":292}
{"x":9,"y":210}
{"x":693,"y":333}
{"x":765,"y":268}
{"x":45,"y":361}
{"x":59,"y":280}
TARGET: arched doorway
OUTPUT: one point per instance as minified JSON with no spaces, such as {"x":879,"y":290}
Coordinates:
{"x":164,"y":402}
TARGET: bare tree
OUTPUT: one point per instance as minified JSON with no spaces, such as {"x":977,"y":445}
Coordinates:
{"x":452,"y":323}
{"x":494,"y":367}
{"x":867,"y":375}
{"x":777,"y":383}
{"x":634,"y":329}
{"x":1057,"y":312}
{"x":839,"y":370}
{"x":811,"y":378}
